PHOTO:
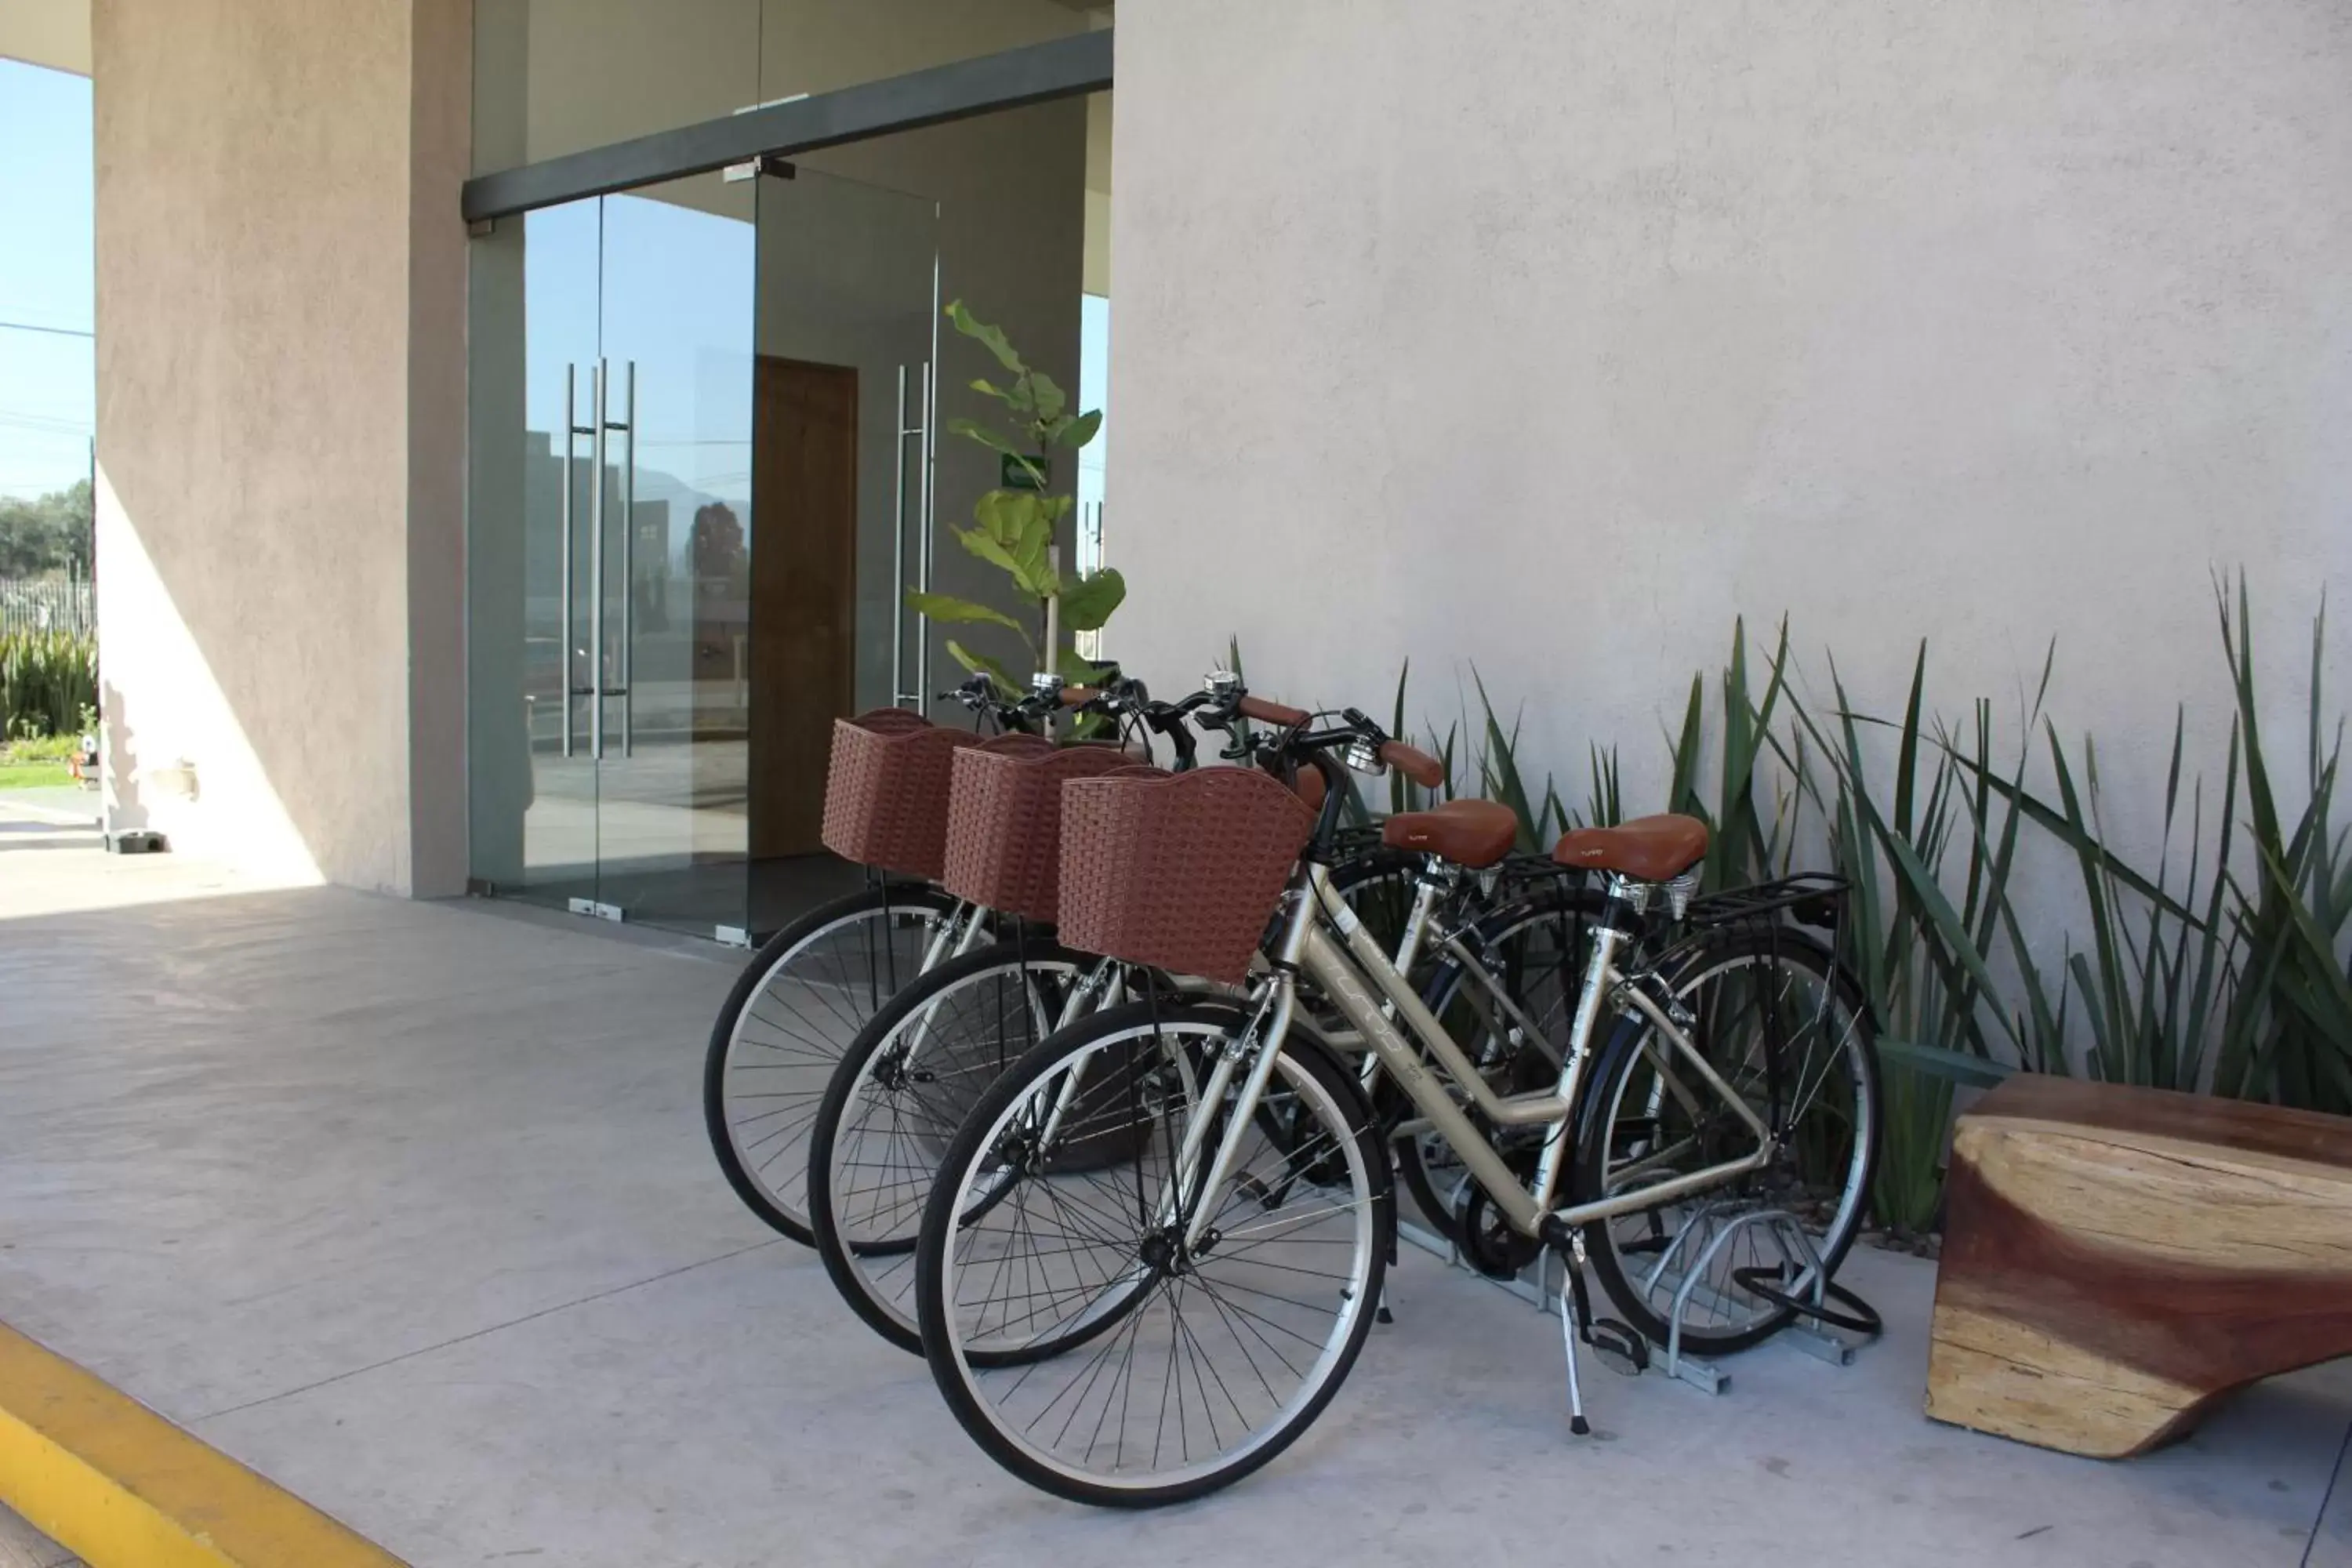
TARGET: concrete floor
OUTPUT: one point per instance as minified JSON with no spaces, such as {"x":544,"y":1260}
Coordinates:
{"x":409,"y":1207}
{"x":22,"y":1546}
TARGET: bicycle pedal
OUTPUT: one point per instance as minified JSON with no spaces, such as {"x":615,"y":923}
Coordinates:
{"x":1621,"y":1349}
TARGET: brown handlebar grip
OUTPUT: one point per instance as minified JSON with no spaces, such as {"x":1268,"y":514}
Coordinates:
{"x":1413,"y":764}
{"x":1267,"y":711}
{"x":1078,"y":696}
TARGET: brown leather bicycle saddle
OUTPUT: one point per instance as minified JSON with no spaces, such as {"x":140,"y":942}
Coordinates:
{"x":1648,"y":848}
{"x":1467,"y":832}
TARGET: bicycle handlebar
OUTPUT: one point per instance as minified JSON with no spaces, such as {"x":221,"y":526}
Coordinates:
{"x":1413,"y":764}
{"x":1265,"y":711}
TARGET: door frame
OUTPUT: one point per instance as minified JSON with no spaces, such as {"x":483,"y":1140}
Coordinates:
{"x":1037,"y":73}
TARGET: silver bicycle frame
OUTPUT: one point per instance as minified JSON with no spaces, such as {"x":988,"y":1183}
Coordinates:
{"x":1327,"y":944}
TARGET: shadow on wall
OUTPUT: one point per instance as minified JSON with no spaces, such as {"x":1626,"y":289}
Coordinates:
{"x":179,"y":759}
{"x":120,"y":778}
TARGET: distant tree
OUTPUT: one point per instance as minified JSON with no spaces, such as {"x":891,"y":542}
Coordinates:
{"x":46,"y":537}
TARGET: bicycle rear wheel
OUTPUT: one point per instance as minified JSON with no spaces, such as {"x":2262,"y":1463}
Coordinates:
{"x":1775,"y":1016}
{"x":901,"y":1090}
{"x":794,"y":1009}
{"x":1109,"y":1331}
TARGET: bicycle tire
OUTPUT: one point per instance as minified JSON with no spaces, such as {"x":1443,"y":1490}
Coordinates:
{"x":1337,"y":1104}
{"x":1781,"y":946}
{"x":746,"y":1160}
{"x":936,"y":1106}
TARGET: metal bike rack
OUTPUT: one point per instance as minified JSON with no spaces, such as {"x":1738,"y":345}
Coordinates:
{"x":1796,"y":1248}
{"x":1668,"y":1359}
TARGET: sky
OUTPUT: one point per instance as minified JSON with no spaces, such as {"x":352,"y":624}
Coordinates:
{"x":48,"y":396}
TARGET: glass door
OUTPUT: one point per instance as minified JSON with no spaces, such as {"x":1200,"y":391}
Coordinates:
{"x":531,"y":760}
{"x":608,"y":554}
{"x":668,"y":606}
{"x":848,"y":303}
{"x":694,"y":369}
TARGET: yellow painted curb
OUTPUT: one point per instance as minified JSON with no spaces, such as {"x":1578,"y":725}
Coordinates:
{"x":120,"y":1487}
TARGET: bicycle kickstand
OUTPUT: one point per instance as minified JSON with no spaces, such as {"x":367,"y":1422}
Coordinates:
{"x":1571,"y":1330}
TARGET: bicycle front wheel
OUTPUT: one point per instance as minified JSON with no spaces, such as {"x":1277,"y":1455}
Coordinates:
{"x":794,"y":1009}
{"x":1104,"y":1325}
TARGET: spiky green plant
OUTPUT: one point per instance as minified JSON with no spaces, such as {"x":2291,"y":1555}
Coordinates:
{"x":47,"y":678}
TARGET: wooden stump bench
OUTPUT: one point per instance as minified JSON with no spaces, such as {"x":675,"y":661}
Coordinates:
{"x":2118,"y":1259}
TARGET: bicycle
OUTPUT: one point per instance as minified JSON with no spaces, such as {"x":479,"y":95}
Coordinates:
{"x":905,"y":1080}
{"x":1735,"y":1081}
{"x":810,"y":987}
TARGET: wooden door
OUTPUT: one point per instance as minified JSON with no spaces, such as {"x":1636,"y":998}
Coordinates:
{"x":804,"y":593}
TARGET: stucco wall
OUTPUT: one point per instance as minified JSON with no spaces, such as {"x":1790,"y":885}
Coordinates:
{"x":1553,"y":336}
{"x":279,"y":428}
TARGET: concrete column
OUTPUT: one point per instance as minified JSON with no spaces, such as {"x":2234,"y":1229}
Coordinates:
{"x":281,"y":292}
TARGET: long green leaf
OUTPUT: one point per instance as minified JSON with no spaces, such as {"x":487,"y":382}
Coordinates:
{"x":948,"y":607}
{"x":991,"y":338}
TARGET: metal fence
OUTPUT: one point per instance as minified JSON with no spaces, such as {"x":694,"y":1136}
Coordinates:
{"x":48,"y":603}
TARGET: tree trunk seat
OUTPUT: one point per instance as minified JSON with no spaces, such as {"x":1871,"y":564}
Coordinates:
{"x":2116,"y":1260}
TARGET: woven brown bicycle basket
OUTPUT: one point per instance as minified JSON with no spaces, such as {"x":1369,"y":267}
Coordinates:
{"x":1180,"y":872}
{"x":1005,"y":823}
{"x":886,"y":790}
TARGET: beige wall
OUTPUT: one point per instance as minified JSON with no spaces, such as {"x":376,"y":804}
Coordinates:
{"x":53,"y":33}
{"x":281,"y":339}
{"x":1558,"y":334}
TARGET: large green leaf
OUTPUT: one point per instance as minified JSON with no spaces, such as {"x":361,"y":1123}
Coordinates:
{"x":948,"y":607}
{"x":973,"y":430}
{"x":996,"y":669}
{"x":1016,"y":397}
{"x":991,"y":338}
{"x":983,"y":544}
{"x":1088,"y":603}
{"x":1019,"y":523}
{"x":1048,"y":396}
{"x":1010,"y":516}
{"x":1076,"y":433}
{"x":1078,"y":670}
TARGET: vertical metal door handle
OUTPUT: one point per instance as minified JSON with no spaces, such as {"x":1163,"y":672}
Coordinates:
{"x":923,"y":544}
{"x":628,"y":561}
{"x":898,"y":543}
{"x":563,"y":634}
{"x":596,"y":565}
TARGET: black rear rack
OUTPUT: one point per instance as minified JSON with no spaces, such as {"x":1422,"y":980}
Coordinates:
{"x":1810,"y":898}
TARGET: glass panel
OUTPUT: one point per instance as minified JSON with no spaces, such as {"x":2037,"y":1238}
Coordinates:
{"x":553,"y":77}
{"x":674,"y":641}
{"x":533,"y":339}
{"x":848,"y":308}
{"x":1094,"y":391}
{"x":817,"y":46}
